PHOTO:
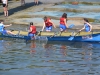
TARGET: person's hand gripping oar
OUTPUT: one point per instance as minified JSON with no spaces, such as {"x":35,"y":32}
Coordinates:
{"x":72,"y":37}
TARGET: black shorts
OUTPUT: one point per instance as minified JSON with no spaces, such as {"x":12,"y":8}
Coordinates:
{"x":4,"y":5}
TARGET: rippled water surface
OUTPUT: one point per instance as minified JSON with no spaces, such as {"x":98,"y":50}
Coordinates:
{"x":18,"y":57}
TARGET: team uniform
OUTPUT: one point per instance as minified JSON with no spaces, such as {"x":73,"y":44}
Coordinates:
{"x":33,"y":32}
{"x":87,"y":27}
{"x":2,"y":30}
{"x":48,"y":25}
{"x":62,"y":24}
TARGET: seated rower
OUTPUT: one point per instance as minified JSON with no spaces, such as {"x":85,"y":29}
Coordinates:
{"x":63,"y":24}
{"x":87,"y":26}
{"x":3,"y":30}
{"x":48,"y":24}
{"x":32,"y":30}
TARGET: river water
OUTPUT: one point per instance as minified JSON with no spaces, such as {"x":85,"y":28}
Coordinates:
{"x":18,"y":57}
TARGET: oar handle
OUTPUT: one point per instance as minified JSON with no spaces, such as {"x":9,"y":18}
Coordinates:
{"x":39,"y":33}
{"x":77,"y":33}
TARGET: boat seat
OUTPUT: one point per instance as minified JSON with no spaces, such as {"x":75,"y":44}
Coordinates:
{"x":23,"y":33}
{"x":46,"y":33}
{"x":87,"y":33}
{"x":15,"y":32}
{"x":20,"y":32}
{"x":66,"y":34}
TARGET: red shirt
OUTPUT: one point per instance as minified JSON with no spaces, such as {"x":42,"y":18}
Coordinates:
{"x":62,"y":21}
{"x":47,"y":22}
{"x":33,"y":29}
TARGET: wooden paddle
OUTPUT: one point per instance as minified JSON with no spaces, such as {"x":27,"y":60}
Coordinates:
{"x":72,"y":37}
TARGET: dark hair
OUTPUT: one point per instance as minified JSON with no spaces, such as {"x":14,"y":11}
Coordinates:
{"x":64,"y":15}
{"x":31,"y":23}
{"x":86,"y":20}
{"x":45,"y":18}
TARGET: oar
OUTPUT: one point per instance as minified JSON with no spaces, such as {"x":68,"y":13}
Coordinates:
{"x":71,"y":26}
{"x":72,"y":37}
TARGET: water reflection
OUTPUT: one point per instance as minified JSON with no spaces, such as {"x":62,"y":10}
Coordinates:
{"x":87,"y":50}
{"x":63,"y":50}
{"x":48,"y":49}
{"x":33,"y":47}
{"x":4,"y":46}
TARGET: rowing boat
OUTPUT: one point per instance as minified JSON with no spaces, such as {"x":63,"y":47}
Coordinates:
{"x":24,"y":35}
{"x":58,"y":36}
{"x":65,"y":36}
{"x":82,"y":36}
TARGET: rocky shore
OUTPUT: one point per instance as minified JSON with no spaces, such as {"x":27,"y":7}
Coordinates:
{"x":30,"y":13}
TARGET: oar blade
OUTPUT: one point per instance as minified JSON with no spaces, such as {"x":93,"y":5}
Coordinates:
{"x":71,"y":26}
{"x":71,"y":38}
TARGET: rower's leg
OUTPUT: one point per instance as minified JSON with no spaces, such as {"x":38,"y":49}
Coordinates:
{"x":9,"y":32}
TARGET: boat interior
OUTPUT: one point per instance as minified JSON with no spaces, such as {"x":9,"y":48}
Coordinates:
{"x":43,"y":33}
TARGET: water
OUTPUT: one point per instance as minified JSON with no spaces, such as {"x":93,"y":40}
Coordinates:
{"x":18,"y":57}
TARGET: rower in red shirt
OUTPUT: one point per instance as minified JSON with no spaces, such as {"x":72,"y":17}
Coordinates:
{"x":63,"y":24}
{"x":32,"y":30}
{"x":48,"y":24}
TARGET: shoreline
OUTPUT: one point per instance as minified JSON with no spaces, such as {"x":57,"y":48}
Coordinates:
{"x":18,"y":11}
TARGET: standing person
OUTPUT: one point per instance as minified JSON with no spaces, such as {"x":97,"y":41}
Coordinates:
{"x":87,"y":26}
{"x":22,"y":2}
{"x":63,"y":24}
{"x":3,"y":30}
{"x":5,"y":7}
{"x":36,"y":2}
{"x":32,"y":30}
{"x":48,"y":24}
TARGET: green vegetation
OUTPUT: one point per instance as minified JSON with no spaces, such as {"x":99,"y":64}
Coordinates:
{"x":24,"y":16}
{"x":91,"y":20}
{"x":87,"y":3}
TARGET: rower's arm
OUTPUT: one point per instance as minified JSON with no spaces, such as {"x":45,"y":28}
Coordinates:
{"x":52,"y":23}
{"x":43,"y":27}
{"x":82,"y":28}
{"x":30,"y":29}
{"x":65,"y":23}
{"x":7,"y":25}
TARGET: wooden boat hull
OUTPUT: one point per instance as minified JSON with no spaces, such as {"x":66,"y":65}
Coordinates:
{"x":16,"y":36}
{"x":52,"y":36}
{"x":83,"y":38}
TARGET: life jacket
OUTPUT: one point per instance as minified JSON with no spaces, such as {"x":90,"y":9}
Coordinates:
{"x":33,"y":29}
{"x":87,"y":27}
{"x":62,"y":21}
{"x":47,"y":22}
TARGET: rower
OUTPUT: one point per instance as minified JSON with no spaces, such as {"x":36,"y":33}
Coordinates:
{"x":32,"y":30}
{"x":87,"y":26}
{"x":63,"y":24}
{"x":3,"y":30}
{"x":48,"y":24}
